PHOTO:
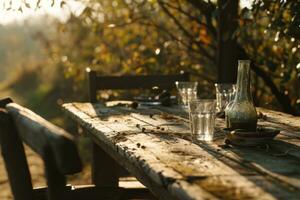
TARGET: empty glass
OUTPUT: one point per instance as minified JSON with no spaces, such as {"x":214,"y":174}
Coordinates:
{"x":187,"y":91}
{"x":225,"y":93}
{"x":202,"y":119}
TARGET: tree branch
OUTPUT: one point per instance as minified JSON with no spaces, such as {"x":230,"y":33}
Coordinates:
{"x":207,"y":8}
{"x":172,"y":36}
{"x":185,"y":13}
{"x":180,"y":26}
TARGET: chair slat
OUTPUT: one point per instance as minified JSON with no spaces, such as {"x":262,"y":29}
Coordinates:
{"x":98,"y":82}
{"x":139,"y":82}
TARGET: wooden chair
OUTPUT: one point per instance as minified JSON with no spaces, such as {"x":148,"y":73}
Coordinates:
{"x":98,"y":82}
{"x":58,"y":152}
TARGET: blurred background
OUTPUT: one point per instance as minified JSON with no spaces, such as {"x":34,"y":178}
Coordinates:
{"x":45,"y":46}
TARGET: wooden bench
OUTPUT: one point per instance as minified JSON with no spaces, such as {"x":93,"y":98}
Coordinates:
{"x":58,"y":152}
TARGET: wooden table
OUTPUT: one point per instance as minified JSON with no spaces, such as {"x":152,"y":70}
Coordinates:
{"x":153,"y":144}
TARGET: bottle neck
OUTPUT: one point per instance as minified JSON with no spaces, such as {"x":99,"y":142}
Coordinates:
{"x":243,"y":82}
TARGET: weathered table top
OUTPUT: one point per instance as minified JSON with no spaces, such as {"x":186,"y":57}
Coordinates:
{"x":154,"y":145}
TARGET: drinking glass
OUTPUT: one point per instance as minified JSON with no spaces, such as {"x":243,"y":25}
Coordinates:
{"x":187,"y":91}
{"x":225,"y":93}
{"x":202,"y":119}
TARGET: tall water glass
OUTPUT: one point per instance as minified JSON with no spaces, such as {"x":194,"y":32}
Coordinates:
{"x":225,"y":93}
{"x":187,"y":91}
{"x":202,"y":119}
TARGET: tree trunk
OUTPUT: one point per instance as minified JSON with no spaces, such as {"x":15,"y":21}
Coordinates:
{"x":227,"y":45}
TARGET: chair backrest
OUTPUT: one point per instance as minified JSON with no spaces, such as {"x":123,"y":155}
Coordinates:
{"x":97,"y":82}
{"x":54,"y":145}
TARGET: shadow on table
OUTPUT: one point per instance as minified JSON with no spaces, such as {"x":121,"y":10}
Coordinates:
{"x":277,"y":163}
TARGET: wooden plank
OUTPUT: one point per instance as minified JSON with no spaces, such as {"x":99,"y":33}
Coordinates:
{"x":91,"y":82}
{"x":189,"y":163}
{"x":197,"y":164}
{"x":15,"y":161}
{"x":39,"y":134}
{"x":293,"y":122}
{"x":138,"y":82}
{"x":56,"y":181}
{"x":104,"y":172}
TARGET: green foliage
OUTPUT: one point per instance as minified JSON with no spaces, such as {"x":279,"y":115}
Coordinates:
{"x":136,"y":37}
{"x":270,"y":34}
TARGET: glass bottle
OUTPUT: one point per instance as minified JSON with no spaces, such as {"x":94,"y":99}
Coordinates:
{"x":241,"y":113}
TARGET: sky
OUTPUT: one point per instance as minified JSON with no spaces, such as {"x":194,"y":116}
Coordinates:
{"x":10,"y":12}
{"x":12,"y":15}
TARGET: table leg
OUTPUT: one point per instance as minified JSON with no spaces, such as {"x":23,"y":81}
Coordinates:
{"x":104,"y":168}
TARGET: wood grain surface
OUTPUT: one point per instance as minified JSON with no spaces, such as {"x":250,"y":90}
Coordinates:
{"x":154,"y":144}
